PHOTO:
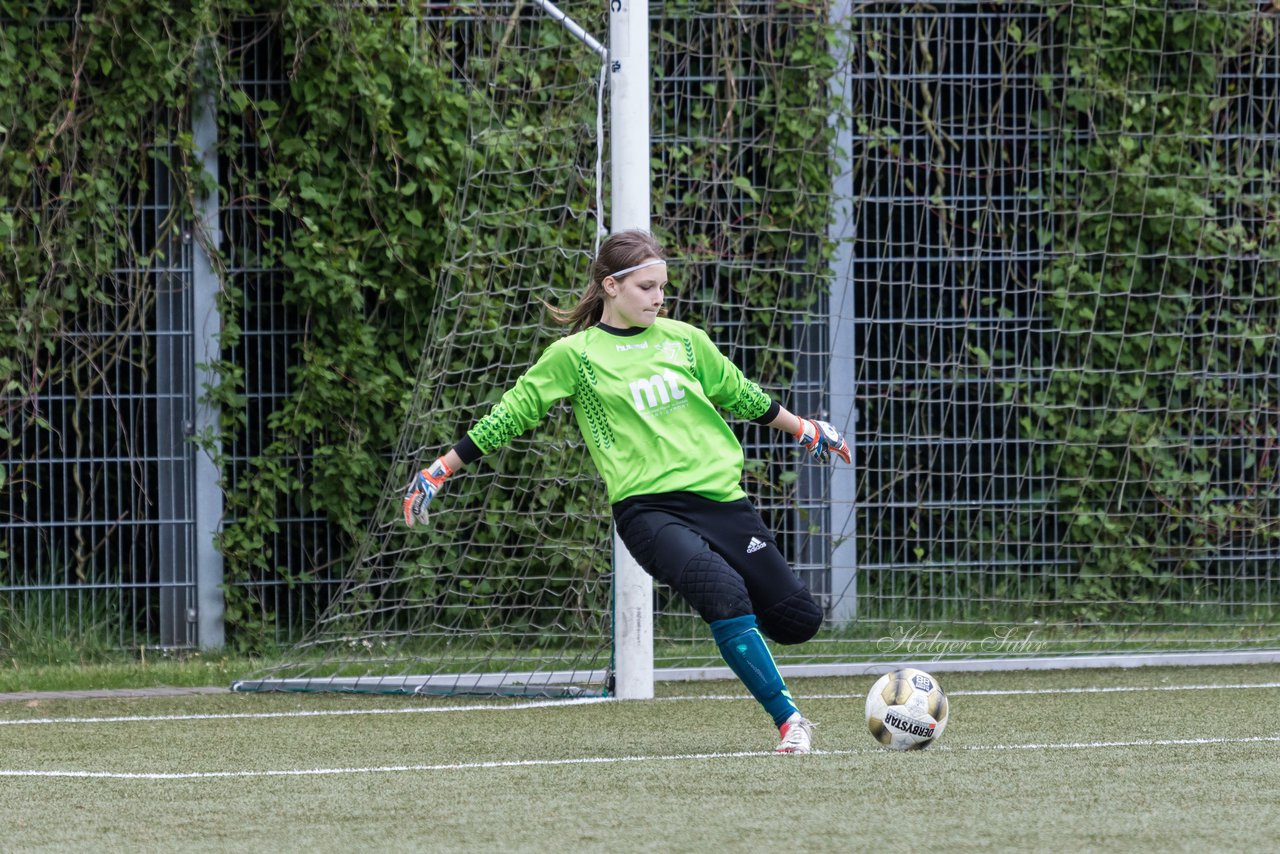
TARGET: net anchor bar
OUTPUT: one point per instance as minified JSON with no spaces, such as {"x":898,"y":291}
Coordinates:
{"x":573,"y":27}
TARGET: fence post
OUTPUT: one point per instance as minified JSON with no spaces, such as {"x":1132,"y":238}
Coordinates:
{"x":207,"y":234}
{"x":843,"y":376}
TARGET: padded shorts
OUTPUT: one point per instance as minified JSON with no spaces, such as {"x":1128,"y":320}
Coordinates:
{"x":721,"y":559}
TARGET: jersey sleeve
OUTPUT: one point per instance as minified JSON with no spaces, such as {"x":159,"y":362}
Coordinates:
{"x":724,"y":384}
{"x":527,"y":402}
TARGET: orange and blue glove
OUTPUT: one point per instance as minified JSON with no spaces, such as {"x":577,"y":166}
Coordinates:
{"x":424,"y":487}
{"x":821,"y":439}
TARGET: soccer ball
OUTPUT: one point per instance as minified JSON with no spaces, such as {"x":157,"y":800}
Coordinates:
{"x":906,"y":709}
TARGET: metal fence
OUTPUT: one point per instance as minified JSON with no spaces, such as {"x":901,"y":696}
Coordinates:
{"x":956,"y":514}
{"x":96,"y":515}
{"x":946,"y":242}
{"x":100,"y":514}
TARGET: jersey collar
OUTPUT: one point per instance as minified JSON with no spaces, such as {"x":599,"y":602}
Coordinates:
{"x":624,"y":333}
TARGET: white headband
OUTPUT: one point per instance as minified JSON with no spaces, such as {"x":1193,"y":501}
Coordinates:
{"x":636,"y":267}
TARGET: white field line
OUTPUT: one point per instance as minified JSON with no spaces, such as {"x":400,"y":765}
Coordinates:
{"x":316,"y":713}
{"x":1114,"y":689}
{"x":1019,"y":692}
{"x":1142,"y":742}
{"x":603,"y":760}
{"x":584,"y":701}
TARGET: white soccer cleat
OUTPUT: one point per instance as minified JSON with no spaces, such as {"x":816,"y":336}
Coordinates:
{"x":797,"y":732}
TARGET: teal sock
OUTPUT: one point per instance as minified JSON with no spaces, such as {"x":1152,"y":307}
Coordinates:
{"x":744,"y":649}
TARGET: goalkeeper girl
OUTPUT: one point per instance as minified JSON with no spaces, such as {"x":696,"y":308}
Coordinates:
{"x":645,"y":391}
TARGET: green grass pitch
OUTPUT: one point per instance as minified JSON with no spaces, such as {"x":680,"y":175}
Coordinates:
{"x":1088,"y":760}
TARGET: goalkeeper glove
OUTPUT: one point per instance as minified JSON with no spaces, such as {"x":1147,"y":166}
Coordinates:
{"x":424,"y":487}
{"x":820,"y":438}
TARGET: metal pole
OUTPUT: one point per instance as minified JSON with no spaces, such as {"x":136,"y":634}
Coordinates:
{"x":844,"y":411}
{"x":575,"y":29}
{"x":209,"y":615}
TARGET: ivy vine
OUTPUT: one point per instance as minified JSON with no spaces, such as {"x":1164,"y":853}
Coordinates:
{"x":1162,"y":286}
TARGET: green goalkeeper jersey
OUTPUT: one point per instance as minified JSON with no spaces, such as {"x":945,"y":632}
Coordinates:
{"x":646,"y":404}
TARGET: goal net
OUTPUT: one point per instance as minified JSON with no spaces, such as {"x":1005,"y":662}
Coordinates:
{"x":1024,"y":253}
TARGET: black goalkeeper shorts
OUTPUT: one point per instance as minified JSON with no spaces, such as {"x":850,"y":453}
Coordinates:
{"x":720,"y":558}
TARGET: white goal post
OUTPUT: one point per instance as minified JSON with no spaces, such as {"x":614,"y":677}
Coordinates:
{"x":629,"y":157}
{"x":627,"y":67}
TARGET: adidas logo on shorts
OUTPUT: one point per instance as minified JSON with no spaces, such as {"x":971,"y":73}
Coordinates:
{"x":755,"y":545}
